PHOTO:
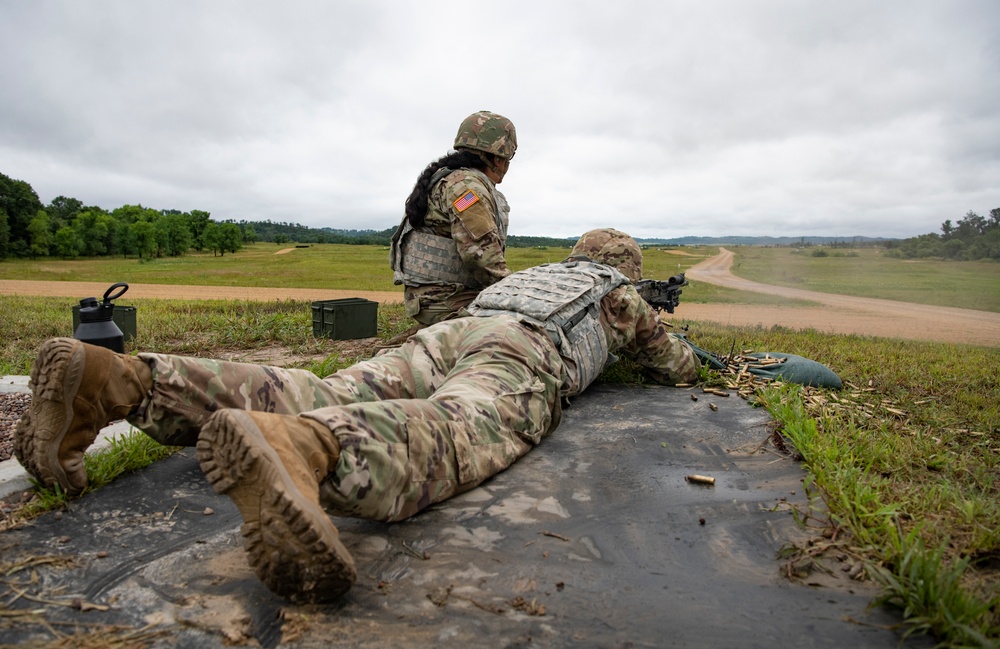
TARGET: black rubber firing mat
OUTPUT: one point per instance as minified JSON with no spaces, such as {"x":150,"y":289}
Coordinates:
{"x":594,"y":539}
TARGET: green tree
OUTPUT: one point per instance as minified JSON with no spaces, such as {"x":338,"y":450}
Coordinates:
{"x":212,"y":238}
{"x":221,"y":238}
{"x":92,"y":227}
{"x":63,"y":210}
{"x":129,"y":214}
{"x":249,"y":234}
{"x":231,"y":237}
{"x":198,"y":220}
{"x":68,"y":243}
{"x":173,"y":234}
{"x":20,"y":203}
{"x":4,"y":234}
{"x":972,"y":237}
{"x":40,"y":232}
{"x":116,"y":240}
{"x":142,"y":237}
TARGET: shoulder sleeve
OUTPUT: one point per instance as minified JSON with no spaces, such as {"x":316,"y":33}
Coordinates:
{"x":471,"y":203}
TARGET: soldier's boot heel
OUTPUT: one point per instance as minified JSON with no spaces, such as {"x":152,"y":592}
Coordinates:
{"x":291,"y":543}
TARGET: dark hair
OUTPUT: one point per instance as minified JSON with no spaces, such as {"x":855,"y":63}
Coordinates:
{"x":416,"y":202}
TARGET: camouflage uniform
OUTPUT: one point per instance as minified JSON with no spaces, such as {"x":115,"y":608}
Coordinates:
{"x":458,"y":403}
{"x":465,"y":207}
{"x":480,"y":235}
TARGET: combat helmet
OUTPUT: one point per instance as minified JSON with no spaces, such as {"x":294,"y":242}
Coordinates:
{"x":611,"y":247}
{"x":487,"y":132}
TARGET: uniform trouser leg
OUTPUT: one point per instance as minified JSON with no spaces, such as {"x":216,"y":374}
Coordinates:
{"x":453,"y":406}
{"x":187,"y":390}
{"x":483,"y":392}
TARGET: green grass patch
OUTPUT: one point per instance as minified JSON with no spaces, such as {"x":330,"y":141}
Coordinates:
{"x":124,"y":454}
{"x":326,"y":266}
{"x":330,"y":266}
{"x":214,"y":328}
{"x":906,"y":462}
{"x":868,"y":272}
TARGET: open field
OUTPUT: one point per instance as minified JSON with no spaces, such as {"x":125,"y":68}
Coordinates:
{"x":848,"y":313}
{"x":868,"y":272}
{"x":335,"y":271}
{"x":970,"y":285}
{"x":906,"y":460}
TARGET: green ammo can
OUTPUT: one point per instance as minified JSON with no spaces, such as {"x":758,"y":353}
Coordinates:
{"x":344,"y":319}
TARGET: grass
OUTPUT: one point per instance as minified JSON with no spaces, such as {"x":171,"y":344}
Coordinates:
{"x":232,"y":329}
{"x":906,"y":461}
{"x":868,"y":272}
{"x":903,"y":465}
{"x":123,"y":454}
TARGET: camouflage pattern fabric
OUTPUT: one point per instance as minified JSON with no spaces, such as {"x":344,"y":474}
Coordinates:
{"x":611,"y":247}
{"x":487,"y":132}
{"x":635,"y":331}
{"x":457,"y":403}
{"x":562,"y":299}
{"x":480,"y":235}
{"x":431,"y":304}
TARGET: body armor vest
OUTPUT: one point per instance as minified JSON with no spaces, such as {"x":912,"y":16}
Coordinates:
{"x":418,"y":257}
{"x":564,"y":300}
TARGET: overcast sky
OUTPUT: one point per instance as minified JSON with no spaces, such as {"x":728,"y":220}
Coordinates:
{"x":662,"y":118}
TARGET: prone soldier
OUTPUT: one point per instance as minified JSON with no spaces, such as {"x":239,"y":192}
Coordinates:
{"x":459,"y":402}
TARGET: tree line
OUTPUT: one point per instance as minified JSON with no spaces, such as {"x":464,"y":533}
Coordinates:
{"x":67,"y":228}
{"x":972,"y":237}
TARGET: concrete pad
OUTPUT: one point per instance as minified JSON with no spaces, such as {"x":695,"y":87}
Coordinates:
{"x":594,"y":539}
{"x":13,"y":383}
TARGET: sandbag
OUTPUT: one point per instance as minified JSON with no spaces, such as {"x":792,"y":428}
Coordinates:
{"x":796,"y":369}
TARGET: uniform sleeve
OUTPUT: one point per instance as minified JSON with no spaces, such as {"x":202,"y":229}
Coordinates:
{"x":635,"y":331}
{"x":480,"y":244}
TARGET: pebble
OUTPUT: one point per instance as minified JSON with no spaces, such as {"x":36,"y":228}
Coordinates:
{"x":12,"y":406}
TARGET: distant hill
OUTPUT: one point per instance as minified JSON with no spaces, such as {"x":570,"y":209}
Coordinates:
{"x":285,"y":232}
{"x":762,"y":241}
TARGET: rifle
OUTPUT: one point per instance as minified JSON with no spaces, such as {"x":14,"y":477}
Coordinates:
{"x":662,"y":294}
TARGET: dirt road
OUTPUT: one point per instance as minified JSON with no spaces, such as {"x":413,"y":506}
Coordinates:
{"x":172,"y":292}
{"x":838,"y":313}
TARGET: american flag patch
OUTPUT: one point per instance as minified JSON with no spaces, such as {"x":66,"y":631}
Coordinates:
{"x":467,"y":200}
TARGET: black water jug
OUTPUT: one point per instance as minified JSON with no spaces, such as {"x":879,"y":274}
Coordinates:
{"x":96,"y":324}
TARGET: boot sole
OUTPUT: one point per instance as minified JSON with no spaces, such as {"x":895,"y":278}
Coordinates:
{"x":291,"y":544}
{"x":55,"y":380}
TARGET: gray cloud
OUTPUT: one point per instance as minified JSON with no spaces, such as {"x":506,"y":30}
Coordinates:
{"x":662,"y":118}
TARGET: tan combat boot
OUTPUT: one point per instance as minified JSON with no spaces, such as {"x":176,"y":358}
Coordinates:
{"x":77,"y":390}
{"x":271,"y":466}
